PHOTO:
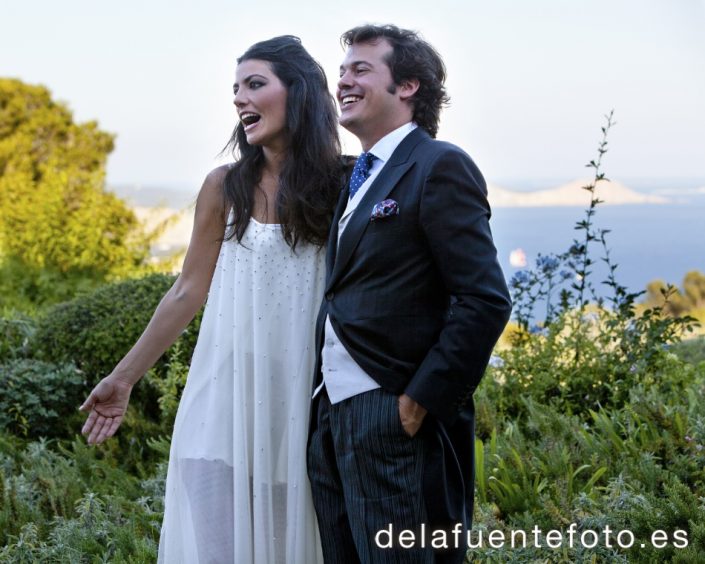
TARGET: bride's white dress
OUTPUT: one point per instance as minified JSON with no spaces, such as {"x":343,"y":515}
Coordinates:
{"x":236,"y":489}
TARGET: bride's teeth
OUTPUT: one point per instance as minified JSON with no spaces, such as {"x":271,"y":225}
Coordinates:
{"x":249,"y":118}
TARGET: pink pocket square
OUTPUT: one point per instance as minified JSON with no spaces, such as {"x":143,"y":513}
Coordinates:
{"x":385,"y":208}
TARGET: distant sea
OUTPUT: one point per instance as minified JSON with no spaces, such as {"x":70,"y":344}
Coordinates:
{"x":647,"y":241}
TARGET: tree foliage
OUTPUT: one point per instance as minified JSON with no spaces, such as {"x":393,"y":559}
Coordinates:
{"x":687,"y":300}
{"x":60,"y":230}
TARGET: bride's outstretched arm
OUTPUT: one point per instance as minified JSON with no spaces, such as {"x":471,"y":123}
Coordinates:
{"x":107,"y":402}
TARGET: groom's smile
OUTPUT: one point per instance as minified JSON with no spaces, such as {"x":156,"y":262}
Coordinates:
{"x":349,"y":99}
{"x":370,"y":102}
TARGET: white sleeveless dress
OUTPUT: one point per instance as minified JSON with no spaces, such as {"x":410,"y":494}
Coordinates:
{"x":237,"y":491}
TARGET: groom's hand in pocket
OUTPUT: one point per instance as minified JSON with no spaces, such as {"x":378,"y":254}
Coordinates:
{"x":411,"y":414}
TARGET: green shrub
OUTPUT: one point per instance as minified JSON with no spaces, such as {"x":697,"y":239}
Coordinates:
{"x":96,"y":330}
{"x":31,"y":289}
{"x":170,"y":385}
{"x":39,"y":398}
{"x":589,"y":351}
{"x":691,"y":350}
{"x":15,"y":334}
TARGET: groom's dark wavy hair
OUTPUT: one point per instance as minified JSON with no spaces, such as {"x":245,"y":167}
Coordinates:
{"x":312,"y":171}
{"x":411,"y":58}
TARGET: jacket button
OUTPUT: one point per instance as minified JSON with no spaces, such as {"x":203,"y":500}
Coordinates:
{"x":329,"y":296}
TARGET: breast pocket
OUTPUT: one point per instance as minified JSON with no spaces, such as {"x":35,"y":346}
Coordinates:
{"x":385,"y":225}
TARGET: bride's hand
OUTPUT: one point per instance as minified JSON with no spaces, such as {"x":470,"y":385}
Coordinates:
{"x":106,"y":404}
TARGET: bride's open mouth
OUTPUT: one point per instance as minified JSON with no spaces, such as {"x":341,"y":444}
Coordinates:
{"x":249,"y":120}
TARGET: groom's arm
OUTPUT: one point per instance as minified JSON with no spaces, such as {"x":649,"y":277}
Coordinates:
{"x":454,"y":215}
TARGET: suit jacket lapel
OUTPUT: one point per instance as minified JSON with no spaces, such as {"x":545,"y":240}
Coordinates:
{"x":388,"y":177}
{"x":332,"y":249}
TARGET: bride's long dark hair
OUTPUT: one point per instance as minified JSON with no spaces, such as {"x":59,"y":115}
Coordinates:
{"x":312,"y":172}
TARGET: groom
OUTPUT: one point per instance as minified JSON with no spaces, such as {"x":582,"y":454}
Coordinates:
{"x":415,"y":301}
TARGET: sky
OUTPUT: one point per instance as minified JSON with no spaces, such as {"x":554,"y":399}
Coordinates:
{"x":529,"y":82}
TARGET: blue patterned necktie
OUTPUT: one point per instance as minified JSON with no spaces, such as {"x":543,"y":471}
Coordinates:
{"x":361,"y":172}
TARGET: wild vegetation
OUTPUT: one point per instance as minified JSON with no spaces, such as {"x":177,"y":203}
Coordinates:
{"x":593,"y":414}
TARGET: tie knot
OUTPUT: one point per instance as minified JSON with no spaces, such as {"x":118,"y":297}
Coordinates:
{"x":361,"y":172}
{"x":365,"y":160}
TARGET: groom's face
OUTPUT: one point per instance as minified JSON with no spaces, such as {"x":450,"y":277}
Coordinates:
{"x":370,"y":106}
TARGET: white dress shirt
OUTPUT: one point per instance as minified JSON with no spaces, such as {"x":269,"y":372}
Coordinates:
{"x":342,"y":376}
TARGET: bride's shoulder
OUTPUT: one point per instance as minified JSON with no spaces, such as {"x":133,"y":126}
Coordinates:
{"x":215,"y":178}
{"x":210,"y":195}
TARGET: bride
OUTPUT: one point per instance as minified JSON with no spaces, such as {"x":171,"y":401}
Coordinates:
{"x":236,"y":487}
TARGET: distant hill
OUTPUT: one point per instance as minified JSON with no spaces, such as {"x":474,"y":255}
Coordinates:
{"x":571,"y":194}
{"x":176,"y":237}
{"x":153,"y":204}
{"x":154,"y":196}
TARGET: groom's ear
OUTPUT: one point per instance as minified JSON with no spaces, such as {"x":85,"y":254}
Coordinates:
{"x":407,"y":88}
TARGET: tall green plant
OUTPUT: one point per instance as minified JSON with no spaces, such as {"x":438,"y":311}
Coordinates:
{"x":588,"y":351}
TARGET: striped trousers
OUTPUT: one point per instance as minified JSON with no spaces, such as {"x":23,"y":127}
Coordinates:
{"x":366,"y":476}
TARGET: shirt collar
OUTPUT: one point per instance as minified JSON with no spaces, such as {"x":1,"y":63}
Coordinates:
{"x":384,"y":148}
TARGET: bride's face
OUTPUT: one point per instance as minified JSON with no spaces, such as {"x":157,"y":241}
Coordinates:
{"x":260,"y":99}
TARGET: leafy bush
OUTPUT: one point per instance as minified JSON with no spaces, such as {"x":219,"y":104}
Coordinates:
{"x":15,"y":333}
{"x":39,"y":398}
{"x":96,"y":330}
{"x":588,"y":352}
{"x":692,"y":350}
{"x":171,"y":385}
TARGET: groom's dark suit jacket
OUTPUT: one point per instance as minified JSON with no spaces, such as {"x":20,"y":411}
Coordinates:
{"x":419,"y":300}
